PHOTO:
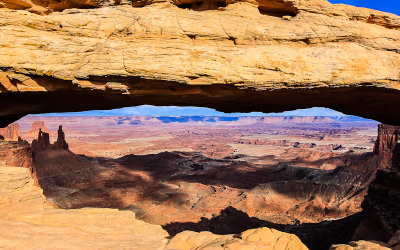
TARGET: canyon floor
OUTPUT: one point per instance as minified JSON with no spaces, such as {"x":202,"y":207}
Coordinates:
{"x":302,"y":175}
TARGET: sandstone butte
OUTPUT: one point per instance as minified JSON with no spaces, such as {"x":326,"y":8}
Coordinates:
{"x":28,"y":221}
{"x":36,"y":126}
{"x":265,"y":55}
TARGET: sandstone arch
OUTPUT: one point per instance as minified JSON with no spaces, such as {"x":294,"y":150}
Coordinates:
{"x":237,"y":59}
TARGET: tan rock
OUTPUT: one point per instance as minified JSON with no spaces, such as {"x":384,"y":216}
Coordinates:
{"x":360,"y":245}
{"x":260,"y":238}
{"x":121,"y":51}
{"x":238,"y":45}
{"x":28,"y":221}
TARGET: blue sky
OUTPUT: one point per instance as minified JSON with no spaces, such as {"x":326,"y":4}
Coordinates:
{"x":148,"y":110}
{"x":392,"y":6}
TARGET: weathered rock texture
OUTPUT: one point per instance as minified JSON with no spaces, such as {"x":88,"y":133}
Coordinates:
{"x":361,"y":245}
{"x":28,"y":221}
{"x":312,"y":53}
{"x":381,"y":206}
{"x":11,"y":132}
{"x":260,"y":238}
{"x":387,"y":145}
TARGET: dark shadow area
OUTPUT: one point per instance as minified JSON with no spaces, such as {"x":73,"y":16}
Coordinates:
{"x":278,"y":8}
{"x":316,"y":236}
{"x":203,"y":5}
{"x":64,"y":96}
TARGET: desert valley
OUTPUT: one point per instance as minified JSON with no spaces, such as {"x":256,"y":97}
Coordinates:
{"x":302,"y":175}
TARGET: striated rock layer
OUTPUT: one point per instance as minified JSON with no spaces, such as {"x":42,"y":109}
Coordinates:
{"x":28,"y":221}
{"x":387,"y":145}
{"x":223,"y":54}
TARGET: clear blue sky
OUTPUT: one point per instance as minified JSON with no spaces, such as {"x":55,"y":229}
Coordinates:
{"x":392,"y":6}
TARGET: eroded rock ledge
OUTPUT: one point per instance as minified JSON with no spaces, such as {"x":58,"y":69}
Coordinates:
{"x":209,"y":53}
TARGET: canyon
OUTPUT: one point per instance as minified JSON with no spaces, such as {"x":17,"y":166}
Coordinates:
{"x":298,"y":175}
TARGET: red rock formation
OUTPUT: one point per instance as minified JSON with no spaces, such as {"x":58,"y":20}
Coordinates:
{"x":36,"y":126}
{"x":11,"y":132}
{"x":387,"y":145}
{"x":60,"y":143}
{"x":43,"y":141}
{"x":381,"y":206}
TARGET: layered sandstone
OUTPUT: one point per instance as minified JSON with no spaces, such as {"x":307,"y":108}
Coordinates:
{"x":11,"y":132}
{"x":208,"y":53}
{"x":260,"y":238}
{"x":361,"y":245}
{"x":28,"y":221}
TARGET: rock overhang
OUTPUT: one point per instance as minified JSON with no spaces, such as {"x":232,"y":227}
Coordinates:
{"x":233,"y":58}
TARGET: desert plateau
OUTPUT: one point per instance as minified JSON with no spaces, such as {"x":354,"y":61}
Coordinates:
{"x":306,"y":176}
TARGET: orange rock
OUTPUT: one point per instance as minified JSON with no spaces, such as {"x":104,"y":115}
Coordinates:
{"x":11,"y":132}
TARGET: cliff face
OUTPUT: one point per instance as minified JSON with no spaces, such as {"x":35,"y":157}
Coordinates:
{"x":381,"y":219}
{"x":387,"y":145}
{"x":11,"y":132}
{"x":222,"y":54}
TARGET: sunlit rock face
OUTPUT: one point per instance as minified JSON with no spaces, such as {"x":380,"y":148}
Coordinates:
{"x":11,"y":132}
{"x":227,"y":55}
{"x":387,"y":145}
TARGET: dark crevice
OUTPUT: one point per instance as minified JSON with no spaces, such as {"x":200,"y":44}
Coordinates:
{"x":316,"y":236}
{"x":203,"y":5}
{"x":278,"y":8}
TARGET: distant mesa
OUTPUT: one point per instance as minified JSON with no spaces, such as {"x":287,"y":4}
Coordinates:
{"x":43,"y":141}
{"x":11,"y":132}
{"x":36,"y":126}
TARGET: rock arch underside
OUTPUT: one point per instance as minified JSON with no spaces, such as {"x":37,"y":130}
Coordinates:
{"x":234,"y":56}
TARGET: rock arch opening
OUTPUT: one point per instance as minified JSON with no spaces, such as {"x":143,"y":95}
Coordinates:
{"x":216,"y":170}
{"x":203,"y":5}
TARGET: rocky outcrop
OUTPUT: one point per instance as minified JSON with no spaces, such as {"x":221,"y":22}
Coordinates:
{"x":381,"y":205}
{"x":36,"y":126}
{"x":361,"y":245}
{"x":223,"y":54}
{"x":27,"y":220}
{"x":260,"y":238}
{"x":11,"y":132}
{"x":387,"y":145}
{"x":43,"y":141}
{"x":381,"y":219}
{"x":60,"y":144}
